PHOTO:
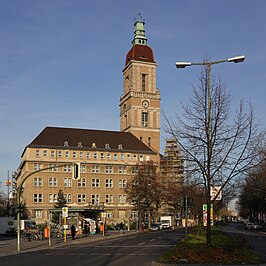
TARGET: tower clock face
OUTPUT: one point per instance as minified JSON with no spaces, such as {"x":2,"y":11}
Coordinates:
{"x":145,"y":104}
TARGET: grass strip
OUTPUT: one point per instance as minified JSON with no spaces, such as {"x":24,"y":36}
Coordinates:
{"x":225,"y":249}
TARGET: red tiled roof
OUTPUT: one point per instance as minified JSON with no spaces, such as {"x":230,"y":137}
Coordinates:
{"x":140,"y":53}
{"x":56,"y":137}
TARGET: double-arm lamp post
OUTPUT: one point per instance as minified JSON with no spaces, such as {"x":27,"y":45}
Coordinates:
{"x":236,"y":59}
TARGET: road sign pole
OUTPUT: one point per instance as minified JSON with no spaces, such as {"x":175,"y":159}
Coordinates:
{"x":65,"y":240}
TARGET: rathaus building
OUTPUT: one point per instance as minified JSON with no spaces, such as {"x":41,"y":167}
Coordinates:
{"x":107,"y":159}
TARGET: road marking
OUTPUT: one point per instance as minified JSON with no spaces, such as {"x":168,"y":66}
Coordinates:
{"x":140,"y":244}
{"x":132,"y":254}
{"x":152,"y":240}
{"x":106,"y":254}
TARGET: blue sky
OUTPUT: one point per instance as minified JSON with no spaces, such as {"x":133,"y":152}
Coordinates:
{"x":61,"y":61}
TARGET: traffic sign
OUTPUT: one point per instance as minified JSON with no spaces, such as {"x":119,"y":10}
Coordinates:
{"x":65,"y":211}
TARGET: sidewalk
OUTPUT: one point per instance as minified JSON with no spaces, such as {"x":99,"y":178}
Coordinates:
{"x":9,"y":246}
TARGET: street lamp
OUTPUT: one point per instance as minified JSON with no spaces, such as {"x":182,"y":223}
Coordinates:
{"x":236,"y":59}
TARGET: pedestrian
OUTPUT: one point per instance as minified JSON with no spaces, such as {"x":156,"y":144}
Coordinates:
{"x":73,"y":231}
{"x":142,"y":227}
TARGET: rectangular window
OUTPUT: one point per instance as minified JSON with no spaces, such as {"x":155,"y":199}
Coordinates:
{"x":88,"y":155}
{"x":68,"y":198}
{"x":102,"y":155}
{"x":37,"y":198}
{"x":67,"y":182}
{"x":37,"y":181}
{"x":109,"y":156}
{"x":59,"y":153}
{"x":115,"y":157}
{"x":109,"y":215}
{"x":95,"y":155}
{"x":38,"y":214}
{"x":95,"y":182}
{"x":109,"y":183}
{"x":95,"y":199}
{"x":52,"y":198}
{"x":135,"y":157}
{"x":37,"y":166}
{"x":144,"y":119}
{"x":45,"y":152}
{"x":83,"y":168}
{"x":52,"y":153}
{"x":81,"y":198}
{"x":133,"y":170}
{"x":67,"y":154}
{"x":141,"y":157}
{"x":53,"y":167}
{"x":121,"y":169}
{"x":82,"y":182}
{"x":134,"y":214}
{"x":122,"y":156}
{"x":128,"y":157}
{"x":37,"y":153}
{"x":122,"y":199}
{"x":95,"y":169}
{"x":52,"y":181}
{"x":74,"y":154}
{"x":81,"y":154}
{"x":143,"y":81}
{"x":108,"y":169}
{"x":67,"y":168}
{"x":122,"y":183}
{"x":109,"y":199}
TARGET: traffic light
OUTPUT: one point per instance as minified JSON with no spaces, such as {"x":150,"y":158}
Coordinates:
{"x":191,"y":202}
{"x":76,"y":171}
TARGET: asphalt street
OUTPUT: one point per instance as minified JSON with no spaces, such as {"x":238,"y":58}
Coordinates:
{"x":114,"y":249}
{"x":135,"y":249}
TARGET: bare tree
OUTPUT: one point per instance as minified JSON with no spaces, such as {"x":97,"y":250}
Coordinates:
{"x":252,"y":200}
{"x":218,"y":147}
{"x":145,"y":189}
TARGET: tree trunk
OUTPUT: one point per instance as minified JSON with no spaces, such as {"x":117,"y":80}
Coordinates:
{"x":208,"y":232}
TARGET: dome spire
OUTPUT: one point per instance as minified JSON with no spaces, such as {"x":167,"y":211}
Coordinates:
{"x":139,"y":32}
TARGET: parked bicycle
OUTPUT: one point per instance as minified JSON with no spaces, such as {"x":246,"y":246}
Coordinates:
{"x":30,"y":237}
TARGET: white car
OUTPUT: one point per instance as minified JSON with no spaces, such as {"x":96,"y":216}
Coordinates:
{"x":249,"y":226}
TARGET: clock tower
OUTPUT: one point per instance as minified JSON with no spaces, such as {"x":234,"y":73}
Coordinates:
{"x":140,"y":102}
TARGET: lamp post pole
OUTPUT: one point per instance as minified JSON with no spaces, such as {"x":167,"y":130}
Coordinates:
{"x":19,"y":193}
{"x":236,"y":59}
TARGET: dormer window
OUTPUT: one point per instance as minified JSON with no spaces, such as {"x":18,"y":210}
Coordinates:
{"x":66,"y":143}
{"x":93,"y":145}
{"x":107,"y":146}
{"x":120,"y":147}
{"x":80,"y":145}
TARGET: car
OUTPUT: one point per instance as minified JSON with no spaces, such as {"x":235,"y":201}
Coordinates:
{"x":155,"y":227}
{"x":257,"y":227}
{"x":252,"y":226}
{"x":249,"y":226}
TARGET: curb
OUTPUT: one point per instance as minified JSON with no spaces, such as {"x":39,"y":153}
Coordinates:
{"x":43,"y":245}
